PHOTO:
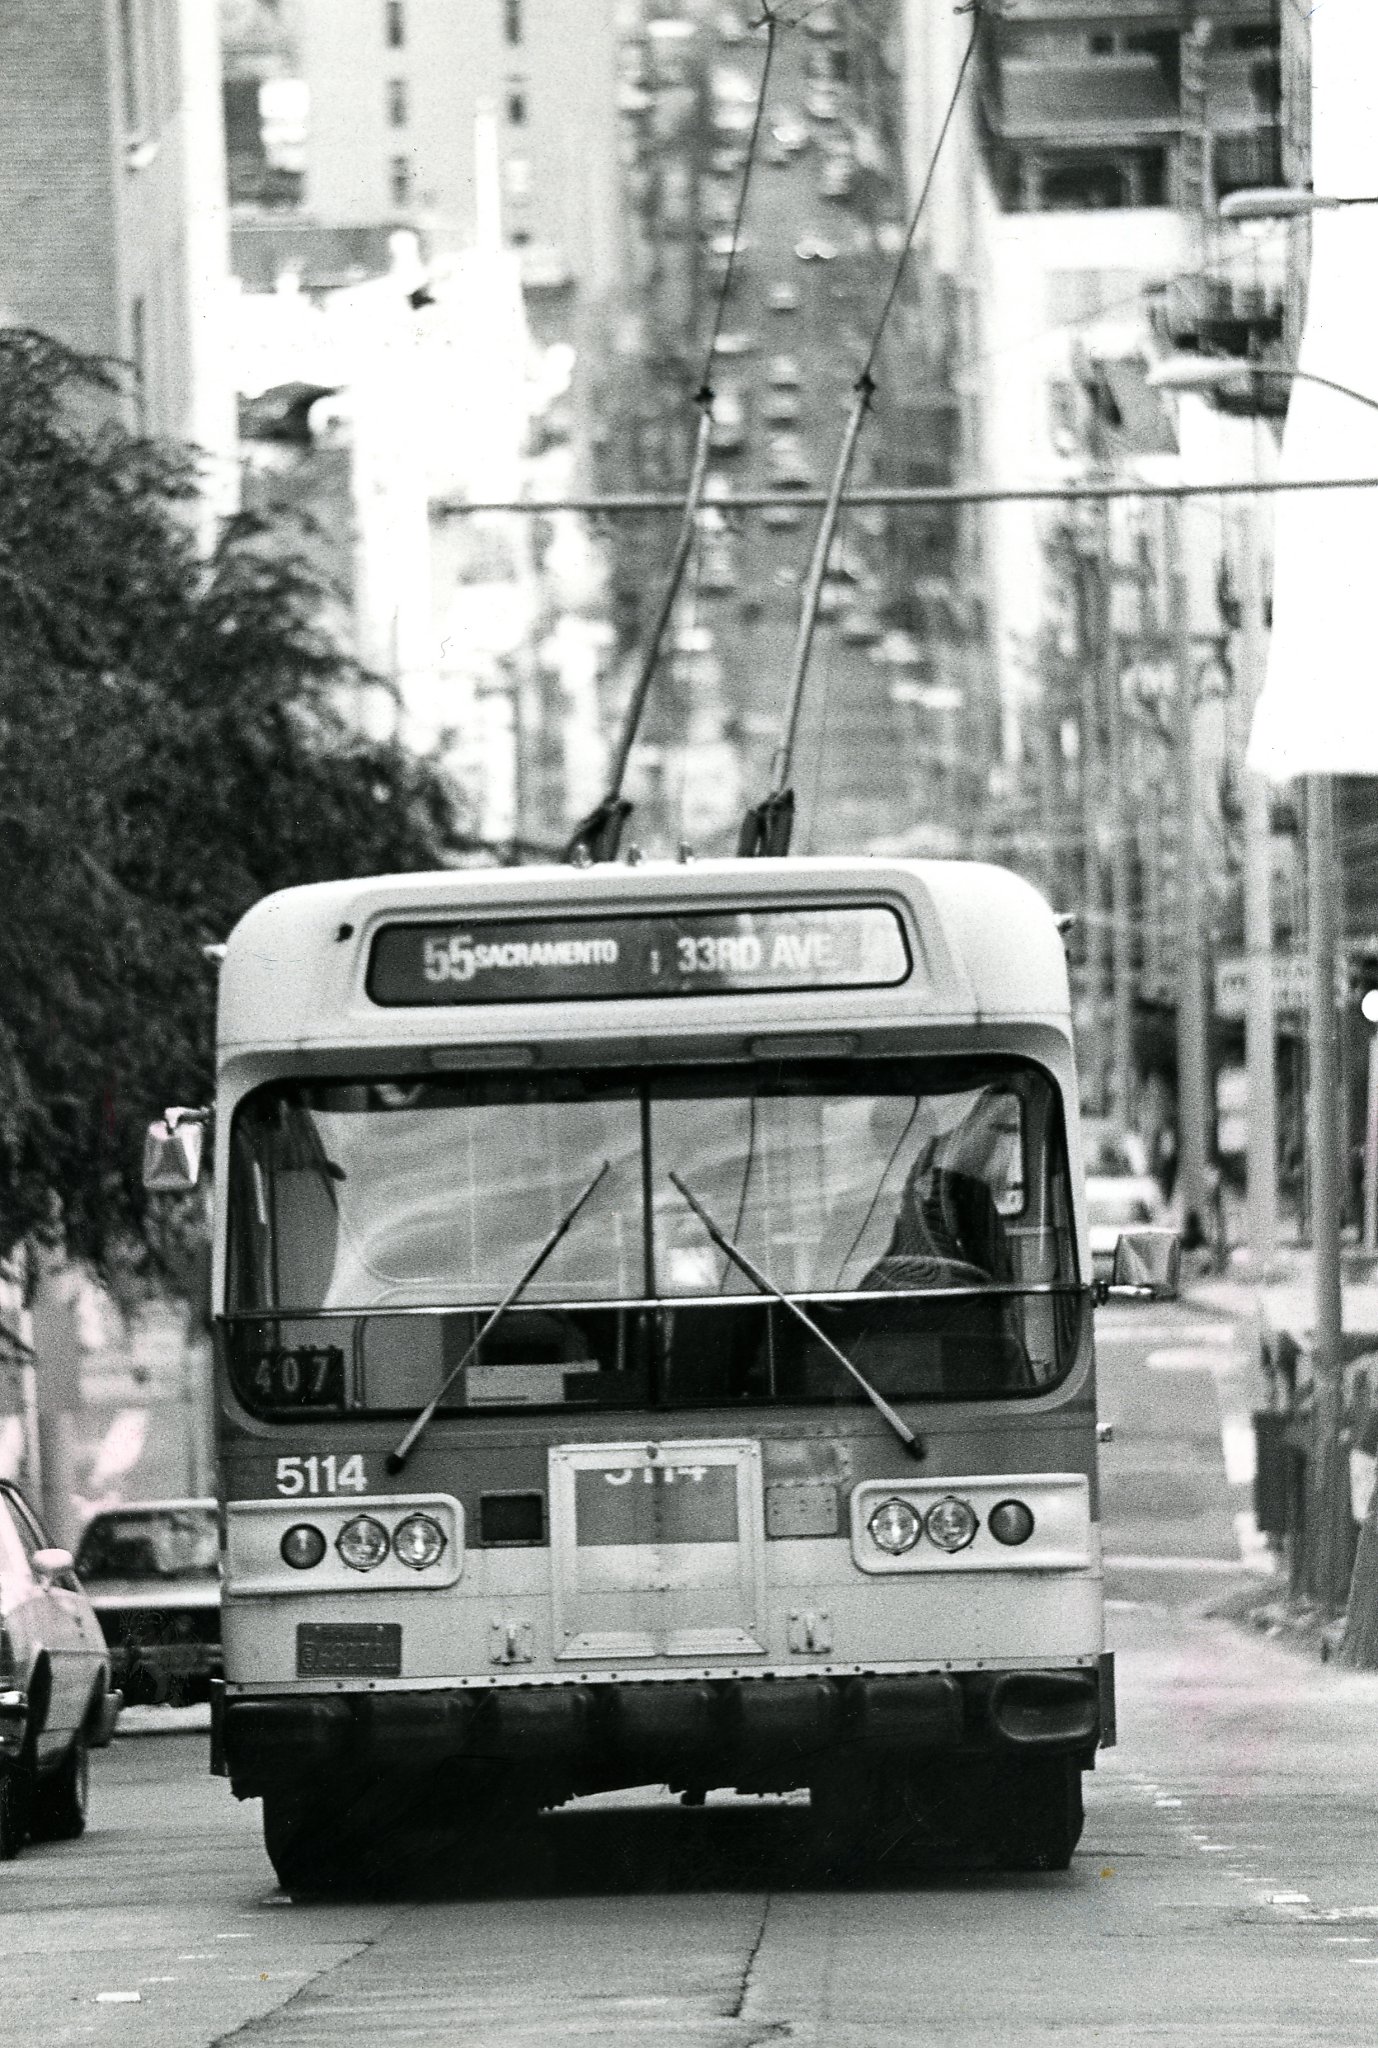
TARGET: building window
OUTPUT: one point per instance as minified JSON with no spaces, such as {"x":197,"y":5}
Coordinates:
{"x":516,"y":106}
{"x":397,"y":103}
{"x":1102,"y":46}
{"x":512,"y":20}
{"x":399,"y":180}
{"x":394,"y":25}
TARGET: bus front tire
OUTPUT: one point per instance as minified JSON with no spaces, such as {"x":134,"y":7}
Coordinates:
{"x":1037,"y":1813}
{"x":306,"y":1843}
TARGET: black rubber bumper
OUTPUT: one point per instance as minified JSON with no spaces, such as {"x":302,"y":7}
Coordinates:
{"x":725,"y":1730}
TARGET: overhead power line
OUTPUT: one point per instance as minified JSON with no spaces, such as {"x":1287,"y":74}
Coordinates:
{"x":612,"y":504}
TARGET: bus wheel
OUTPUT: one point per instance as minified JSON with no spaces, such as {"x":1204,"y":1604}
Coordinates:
{"x":1037,"y":1813}
{"x":307,"y":1843}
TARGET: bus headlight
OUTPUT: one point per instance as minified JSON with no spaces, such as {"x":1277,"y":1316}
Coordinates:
{"x":418,"y":1542}
{"x":951,"y":1523}
{"x":362,"y":1543}
{"x":302,"y":1546}
{"x":1010,"y":1521}
{"x":895,"y":1527}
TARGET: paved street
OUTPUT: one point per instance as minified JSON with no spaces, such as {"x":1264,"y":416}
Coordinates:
{"x":1226,"y":1890}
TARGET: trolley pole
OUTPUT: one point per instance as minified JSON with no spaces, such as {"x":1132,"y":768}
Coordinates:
{"x":1191,"y":975}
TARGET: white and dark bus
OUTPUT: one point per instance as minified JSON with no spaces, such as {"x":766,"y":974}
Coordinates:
{"x":655,"y":1347}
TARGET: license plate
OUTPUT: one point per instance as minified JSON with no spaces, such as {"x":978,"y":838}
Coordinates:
{"x":366,"y":1649}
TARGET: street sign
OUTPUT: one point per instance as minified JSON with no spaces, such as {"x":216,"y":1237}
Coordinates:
{"x":1291,"y":984}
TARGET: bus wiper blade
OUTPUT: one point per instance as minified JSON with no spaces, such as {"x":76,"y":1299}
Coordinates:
{"x":912,"y":1443}
{"x":397,"y":1459}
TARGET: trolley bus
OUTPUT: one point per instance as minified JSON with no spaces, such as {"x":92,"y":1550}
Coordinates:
{"x":654,"y":1347}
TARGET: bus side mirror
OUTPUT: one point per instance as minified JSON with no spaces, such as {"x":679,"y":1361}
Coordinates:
{"x":1148,"y":1265}
{"x":172,"y":1152}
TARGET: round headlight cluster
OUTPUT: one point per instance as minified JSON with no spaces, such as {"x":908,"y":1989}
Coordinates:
{"x":418,"y":1541}
{"x":950,"y":1524}
{"x":363,"y":1543}
{"x":895,"y":1527}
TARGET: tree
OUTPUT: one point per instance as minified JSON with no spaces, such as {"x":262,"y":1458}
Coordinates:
{"x":174,"y":747}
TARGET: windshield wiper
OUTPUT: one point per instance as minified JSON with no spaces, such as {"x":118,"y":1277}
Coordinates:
{"x":396,"y":1459}
{"x":912,"y":1443}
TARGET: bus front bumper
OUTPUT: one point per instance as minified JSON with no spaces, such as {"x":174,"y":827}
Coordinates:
{"x":754,"y":1733}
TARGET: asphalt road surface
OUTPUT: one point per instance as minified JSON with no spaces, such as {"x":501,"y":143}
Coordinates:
{"x":1226,"y":1890}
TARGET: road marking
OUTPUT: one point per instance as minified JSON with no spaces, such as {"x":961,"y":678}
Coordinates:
{"x":1218,"y":1335}
{"x":1176,"y":1564}
{"x":1185,"y":1358}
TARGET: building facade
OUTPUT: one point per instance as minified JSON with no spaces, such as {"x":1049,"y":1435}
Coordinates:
{"x":395,"y":89}
{"x":113,"y":224}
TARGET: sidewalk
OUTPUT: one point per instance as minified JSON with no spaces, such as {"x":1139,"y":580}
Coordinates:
{"x":1282,"y":1306}
{"x":1284,"y":1300}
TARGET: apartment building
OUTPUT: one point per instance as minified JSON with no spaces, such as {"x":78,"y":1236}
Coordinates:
{"x":113,"y":230}
{"x":395,"y":89}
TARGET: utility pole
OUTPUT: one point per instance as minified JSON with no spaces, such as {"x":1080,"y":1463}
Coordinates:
{"x":1121,"y":868}
{"x":1191,"y":975}
{"x":1093,"y":895}
{"x":1330,"y":1489}
{"x":1260,"y":1024}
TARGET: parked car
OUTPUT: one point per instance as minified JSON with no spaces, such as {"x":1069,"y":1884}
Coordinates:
{"x":718,"y":567}
{"x":727,"y":429}
{"x":783,"y":298}
{"x":789,"y":132}
{"x":1121,"y":1193}
{"x":56,"y":1704}
{"x":836,"y":179}
{"x":734,"y":341}
{"x":815,"y":249}
{"x":1114,"y":1206}
{"x":787,"y":464}
{"x":780,"y":408}
{"x":823,"y":100}
{"x":783,"y":373}
{"x":152,"y":1571}
{"x":780,"y":518}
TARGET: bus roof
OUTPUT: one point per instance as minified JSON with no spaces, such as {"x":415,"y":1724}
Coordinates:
{"x":984,"y":946}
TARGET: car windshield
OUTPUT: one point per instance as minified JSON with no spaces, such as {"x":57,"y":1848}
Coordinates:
{"x":909,"y":1201}
{"x":150,"y":1543}
{"x":1117,"y":1208}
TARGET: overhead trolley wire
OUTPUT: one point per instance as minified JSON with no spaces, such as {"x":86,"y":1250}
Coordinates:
{"x":768,"y":826}
{"x":599,"y":836}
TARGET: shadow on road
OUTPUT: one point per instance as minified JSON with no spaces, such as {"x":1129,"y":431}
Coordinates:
{"x":592,"y":1850}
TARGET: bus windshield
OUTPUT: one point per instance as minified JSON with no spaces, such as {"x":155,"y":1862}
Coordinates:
{"x":908,"y":1201}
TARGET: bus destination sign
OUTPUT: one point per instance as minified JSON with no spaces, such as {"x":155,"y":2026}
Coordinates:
{"x":660,"y":953}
